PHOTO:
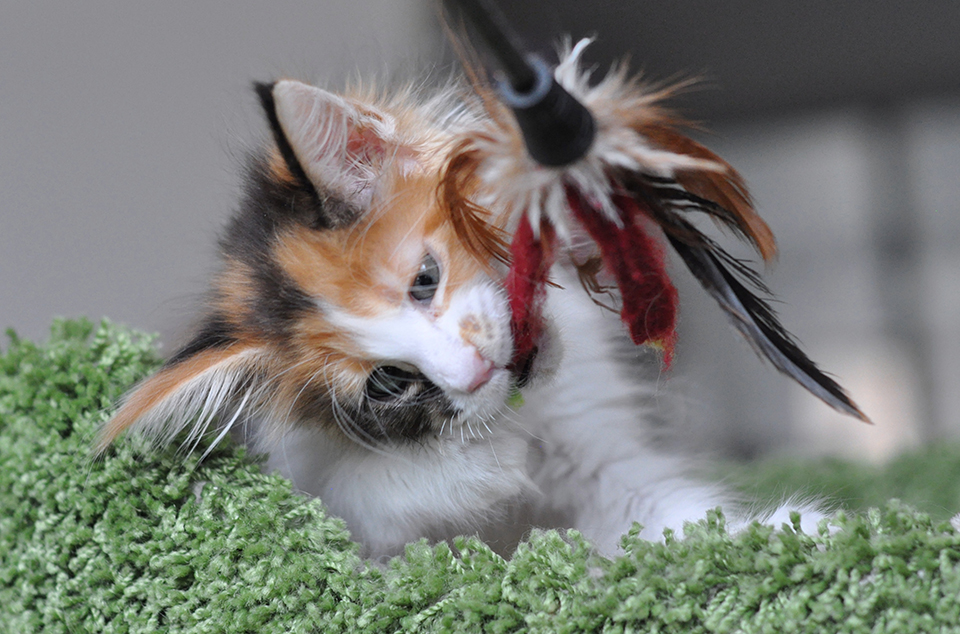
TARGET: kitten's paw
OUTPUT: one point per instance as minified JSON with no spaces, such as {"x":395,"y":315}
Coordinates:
{"x":955,"y":522}
{"x":812,"y":513}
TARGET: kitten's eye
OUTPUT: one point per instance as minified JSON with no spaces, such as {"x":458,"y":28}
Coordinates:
{"x":389,"y":383}
{"x":425,"y":284}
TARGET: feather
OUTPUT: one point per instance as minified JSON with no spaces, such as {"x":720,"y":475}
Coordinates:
{"x":720,"y":274}
{"x":533,"y":255}
{"x":722,"y":189}
{"x":638,"y":263}
{"x":471,"y":222}
{"x":717,"y":271}
{"x":639,"y":168}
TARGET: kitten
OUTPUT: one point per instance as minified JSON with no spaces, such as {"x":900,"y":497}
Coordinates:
{"x":357,"y":336}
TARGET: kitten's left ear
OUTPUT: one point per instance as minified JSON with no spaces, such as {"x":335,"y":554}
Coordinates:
{"x":337,"y":145}
{"x":188,"y":394}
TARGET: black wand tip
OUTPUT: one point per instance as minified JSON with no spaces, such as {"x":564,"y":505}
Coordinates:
{"x":557,"y":129}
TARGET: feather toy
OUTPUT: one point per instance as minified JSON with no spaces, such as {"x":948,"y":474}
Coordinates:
{"x":566,"y":157}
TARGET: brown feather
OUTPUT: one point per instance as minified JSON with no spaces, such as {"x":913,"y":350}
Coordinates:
{"x":725,"y":188}
{"x":480,"y":237}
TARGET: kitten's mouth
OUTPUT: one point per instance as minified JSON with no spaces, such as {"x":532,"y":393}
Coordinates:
{"x":522,"y":368}
{"x":392,"y":383}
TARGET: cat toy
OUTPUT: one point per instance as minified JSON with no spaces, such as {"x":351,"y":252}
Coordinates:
{"x":607,"y":160}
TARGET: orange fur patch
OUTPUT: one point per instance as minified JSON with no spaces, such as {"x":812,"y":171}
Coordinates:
{"x":278,"y":167}
{"x":367,"y":268}
{"x":235,"y":292}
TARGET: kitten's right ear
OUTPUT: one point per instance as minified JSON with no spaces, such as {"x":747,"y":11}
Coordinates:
{"x":334,"y":144}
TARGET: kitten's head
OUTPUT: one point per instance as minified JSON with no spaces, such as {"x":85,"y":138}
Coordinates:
{"x":347,"y":297}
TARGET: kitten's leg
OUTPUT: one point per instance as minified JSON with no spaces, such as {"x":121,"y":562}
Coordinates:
{"x":656,"y":491}
{"x":594,"y":465}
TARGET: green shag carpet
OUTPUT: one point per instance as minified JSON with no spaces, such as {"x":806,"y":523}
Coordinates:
{"x":151,"y":542}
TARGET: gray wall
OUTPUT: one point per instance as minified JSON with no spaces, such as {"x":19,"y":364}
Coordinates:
{"x":868,"y":283}
{"x":122,"y":128}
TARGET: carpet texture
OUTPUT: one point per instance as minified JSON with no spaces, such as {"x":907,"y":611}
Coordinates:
{"x":147,"y":541}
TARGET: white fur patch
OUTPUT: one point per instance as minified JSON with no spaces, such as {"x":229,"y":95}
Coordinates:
{"x":441,"y":487}
{"x":435,"y":345}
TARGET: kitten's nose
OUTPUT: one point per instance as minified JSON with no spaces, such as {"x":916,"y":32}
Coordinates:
{"x":483,"y":370}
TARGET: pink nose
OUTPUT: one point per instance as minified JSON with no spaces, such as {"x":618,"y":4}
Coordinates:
{"x":482,"y":374}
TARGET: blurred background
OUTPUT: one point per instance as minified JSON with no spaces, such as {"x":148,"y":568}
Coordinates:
{"x":123,"y":125}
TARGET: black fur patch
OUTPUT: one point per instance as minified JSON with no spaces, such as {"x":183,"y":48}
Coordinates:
{"x":216,"y":332}
{"x":408,"y":420}
{"x":367,"y":421}
{"x":279,"y":301}
{"x":266,"y":209}
{"x":265,"y":92}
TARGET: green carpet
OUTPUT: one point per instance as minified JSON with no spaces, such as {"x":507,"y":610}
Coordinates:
{"x":150,"y":542}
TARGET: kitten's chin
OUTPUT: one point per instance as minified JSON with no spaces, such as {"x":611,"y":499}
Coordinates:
{"x":476,"y":411}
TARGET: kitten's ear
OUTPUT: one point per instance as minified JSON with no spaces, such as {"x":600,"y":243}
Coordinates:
{"x":193,"y":392}
{"x":338,"y":145}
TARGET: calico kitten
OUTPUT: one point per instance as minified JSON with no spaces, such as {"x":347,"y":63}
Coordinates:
{"x":357,"y":335}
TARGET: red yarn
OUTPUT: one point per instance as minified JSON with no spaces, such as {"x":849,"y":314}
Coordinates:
{"x":638,"y":263}
{"x":526,"y":287}
{"x":635,"y":258}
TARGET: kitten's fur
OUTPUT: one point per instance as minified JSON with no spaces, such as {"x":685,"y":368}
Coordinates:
{"x":379,"y":381}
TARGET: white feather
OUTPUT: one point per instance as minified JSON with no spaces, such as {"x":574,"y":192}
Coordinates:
{"x":520,"y":185}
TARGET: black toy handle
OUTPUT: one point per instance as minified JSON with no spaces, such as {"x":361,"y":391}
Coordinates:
{"x":557,"y":129}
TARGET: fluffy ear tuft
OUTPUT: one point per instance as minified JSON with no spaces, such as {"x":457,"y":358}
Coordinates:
{"x":213,"y":385}
{"x":339,"y":145}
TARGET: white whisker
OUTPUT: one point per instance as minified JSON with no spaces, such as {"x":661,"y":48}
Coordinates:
{"x":227,"y":427}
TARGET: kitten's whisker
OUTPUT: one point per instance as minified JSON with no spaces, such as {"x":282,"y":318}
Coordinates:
{"x":493,"y":450}
{"x":227,"y":427}
{"x":346,"y":424}
{"x":349,"y":427}
{"x":508,"y":415}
